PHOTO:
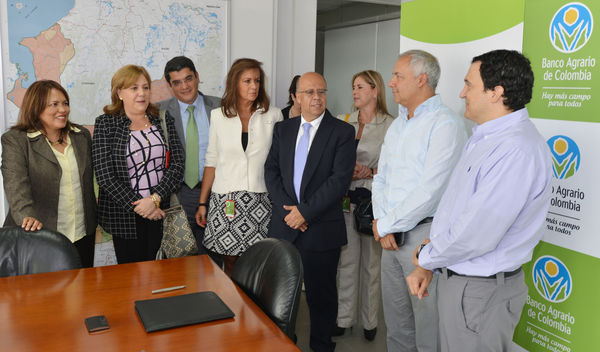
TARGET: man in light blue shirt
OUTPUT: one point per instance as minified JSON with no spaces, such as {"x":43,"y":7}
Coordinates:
{"x":489,"y":219}
{"x":182,"y":77}
{"x":420,"y":150}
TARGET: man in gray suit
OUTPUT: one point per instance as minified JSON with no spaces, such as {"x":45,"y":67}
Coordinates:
{"x":182,"y":77}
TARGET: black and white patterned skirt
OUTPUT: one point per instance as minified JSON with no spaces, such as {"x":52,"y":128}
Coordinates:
{"x":232,"y":236}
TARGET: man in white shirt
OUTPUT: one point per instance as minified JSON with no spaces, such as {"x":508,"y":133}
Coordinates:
{"x":420,"y":150}
{"x":489,"y":219}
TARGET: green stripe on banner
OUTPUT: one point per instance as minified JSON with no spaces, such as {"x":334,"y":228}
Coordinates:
{"x":464,"y":20}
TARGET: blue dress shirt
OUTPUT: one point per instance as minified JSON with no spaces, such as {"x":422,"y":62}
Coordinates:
{"x":417,"y":157}
{"x":202,"y":123}
{"x":490,"y":217}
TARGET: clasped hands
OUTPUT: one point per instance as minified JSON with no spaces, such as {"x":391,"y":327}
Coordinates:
{"x":294,"y":218}
{"x":147,"y":209}
{"x":420,"y":278}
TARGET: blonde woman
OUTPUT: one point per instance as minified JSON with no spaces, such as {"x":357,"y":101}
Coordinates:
{"x":361,"y":257}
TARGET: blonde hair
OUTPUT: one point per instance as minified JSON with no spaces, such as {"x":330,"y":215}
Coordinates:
{"x":125,"y":77}
{"x":373,"y":78}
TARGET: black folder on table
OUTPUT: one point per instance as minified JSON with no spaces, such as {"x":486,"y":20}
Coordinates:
{"x":171,"y":312}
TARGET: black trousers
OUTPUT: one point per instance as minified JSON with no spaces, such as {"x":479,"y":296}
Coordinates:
{"x":320,"y":270}
{"x":85,"y":247}
{"x":144,"y":246}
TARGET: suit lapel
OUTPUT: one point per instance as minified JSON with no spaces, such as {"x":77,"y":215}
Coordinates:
{"x":176,"y":113}
{"x":316,"y":150}
{"x":78,"y":143}
{"x":41,"y":147}
{"x":289,"y":136}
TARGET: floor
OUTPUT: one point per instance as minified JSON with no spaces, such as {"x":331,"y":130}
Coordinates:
{"x":352,"y":341}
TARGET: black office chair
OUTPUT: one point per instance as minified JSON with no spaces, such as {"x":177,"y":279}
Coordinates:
{"x":270,"y":272}
{"x":23,"y":252}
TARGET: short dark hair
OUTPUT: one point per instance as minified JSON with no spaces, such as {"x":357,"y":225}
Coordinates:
{"x":292,"y":89}
{"x":511,"y":70}
{"x":178,"y":63}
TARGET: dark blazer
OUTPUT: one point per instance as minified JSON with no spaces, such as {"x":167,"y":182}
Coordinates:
{"x":172,"y":106}
{"x":109,"y":150}
{"x":327,"y":175}
{"x":32,"y":175}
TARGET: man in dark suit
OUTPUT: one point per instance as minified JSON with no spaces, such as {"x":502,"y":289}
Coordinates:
{"x":182,"y":77}
{"x":307,"y":173}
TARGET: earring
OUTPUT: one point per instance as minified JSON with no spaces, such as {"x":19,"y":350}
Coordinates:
{"x":120,"y":98}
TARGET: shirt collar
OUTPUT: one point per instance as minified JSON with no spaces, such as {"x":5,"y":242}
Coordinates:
{"x":500,"y":124}
{"x":315,"y":123}
{"x":197,"y":103}
{"x":37,"y":133}
{"x":428,"y":105}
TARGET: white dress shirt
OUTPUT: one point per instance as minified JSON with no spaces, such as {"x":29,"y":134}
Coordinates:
{"x":416,"y":160}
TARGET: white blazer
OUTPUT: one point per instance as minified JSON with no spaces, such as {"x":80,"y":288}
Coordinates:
{"x":236,"y":169}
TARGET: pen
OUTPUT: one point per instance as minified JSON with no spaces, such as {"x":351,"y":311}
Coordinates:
{"x":167,"y":289}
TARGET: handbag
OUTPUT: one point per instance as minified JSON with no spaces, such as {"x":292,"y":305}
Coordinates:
{"x":363,"y":215}
{"x":178,"y":239}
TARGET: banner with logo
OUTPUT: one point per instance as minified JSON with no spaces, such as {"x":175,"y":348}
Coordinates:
{"x":558,"y":37}
{"x":560,"y":313}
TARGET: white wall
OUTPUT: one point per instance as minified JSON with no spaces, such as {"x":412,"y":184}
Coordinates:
{"x":280,"y":34}
{"x":373,"y":46}
{"x":296,"y":43}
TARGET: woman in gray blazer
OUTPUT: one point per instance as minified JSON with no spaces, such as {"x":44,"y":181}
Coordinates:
{"x":47,"y":169}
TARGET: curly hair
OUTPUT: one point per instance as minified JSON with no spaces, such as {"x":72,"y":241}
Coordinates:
{"x":512,"y":71}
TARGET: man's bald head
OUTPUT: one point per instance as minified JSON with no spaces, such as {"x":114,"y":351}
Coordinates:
{"x":311,"y":93}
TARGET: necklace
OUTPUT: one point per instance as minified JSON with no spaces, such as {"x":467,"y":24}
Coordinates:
{"x":141,"y":146}
{"x":60,"y":139}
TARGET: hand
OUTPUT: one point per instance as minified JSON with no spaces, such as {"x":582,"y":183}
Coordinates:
{"x":31,"y":224}
{"x":144,"y":207}
{"x":157,"y":214}
{"x":294,"y":219}
{"x":415,"y":260}
{"x":418,"y":281}
{"x":361,"y":172}
{"x":375,"y":231}
{"x":389,"y":242}
{"x":201,"y":216}
{"x":304,"y":226}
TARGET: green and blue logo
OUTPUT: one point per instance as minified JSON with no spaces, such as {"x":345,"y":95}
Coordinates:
{"x":571,"y":27}
{"x":565,"y":156}
{"x":552,"y":279}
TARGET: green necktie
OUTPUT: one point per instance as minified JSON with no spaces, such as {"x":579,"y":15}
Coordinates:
{"x":191,"y":150}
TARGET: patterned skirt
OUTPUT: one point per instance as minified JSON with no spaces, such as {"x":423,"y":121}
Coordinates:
{"x":250,"y":224}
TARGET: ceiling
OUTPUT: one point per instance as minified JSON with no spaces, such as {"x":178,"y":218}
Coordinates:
{"x":332,"y":14}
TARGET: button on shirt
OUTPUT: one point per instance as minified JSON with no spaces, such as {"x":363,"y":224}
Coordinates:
{"x":203,"y":126}
{"x":489,"y":218}
{"x":416,"y":160}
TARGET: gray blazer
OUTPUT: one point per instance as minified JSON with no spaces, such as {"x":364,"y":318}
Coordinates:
{"x":32,"y":177}
{"x":172,"y":106}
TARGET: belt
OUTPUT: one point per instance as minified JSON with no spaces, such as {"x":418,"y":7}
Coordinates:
{"x":506,"y":274}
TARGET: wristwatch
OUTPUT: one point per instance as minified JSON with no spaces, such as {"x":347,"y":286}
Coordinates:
{"x":420,"y":249}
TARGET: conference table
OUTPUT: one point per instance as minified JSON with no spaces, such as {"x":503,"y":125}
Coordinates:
{"x":46,"y":312}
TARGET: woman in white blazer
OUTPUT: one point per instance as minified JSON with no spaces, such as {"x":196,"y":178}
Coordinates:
{"x":237,"y":212}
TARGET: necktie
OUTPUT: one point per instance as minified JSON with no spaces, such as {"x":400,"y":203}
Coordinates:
{"x":300,"y":158}
{"x":191,"y":175}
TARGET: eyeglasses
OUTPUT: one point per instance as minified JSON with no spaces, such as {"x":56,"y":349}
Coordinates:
{"x":311,"y":92}
{"x":187,"y":79}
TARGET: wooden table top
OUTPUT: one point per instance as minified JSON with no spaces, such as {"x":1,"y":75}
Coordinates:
{"x":46,"y":312}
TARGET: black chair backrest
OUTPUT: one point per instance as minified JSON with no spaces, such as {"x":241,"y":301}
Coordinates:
{"x":270,"y":272}
{"x":23,"y":252}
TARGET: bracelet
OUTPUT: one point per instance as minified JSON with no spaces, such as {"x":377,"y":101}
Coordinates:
{"x":203,"y":204}
{"x":155,"y":200}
